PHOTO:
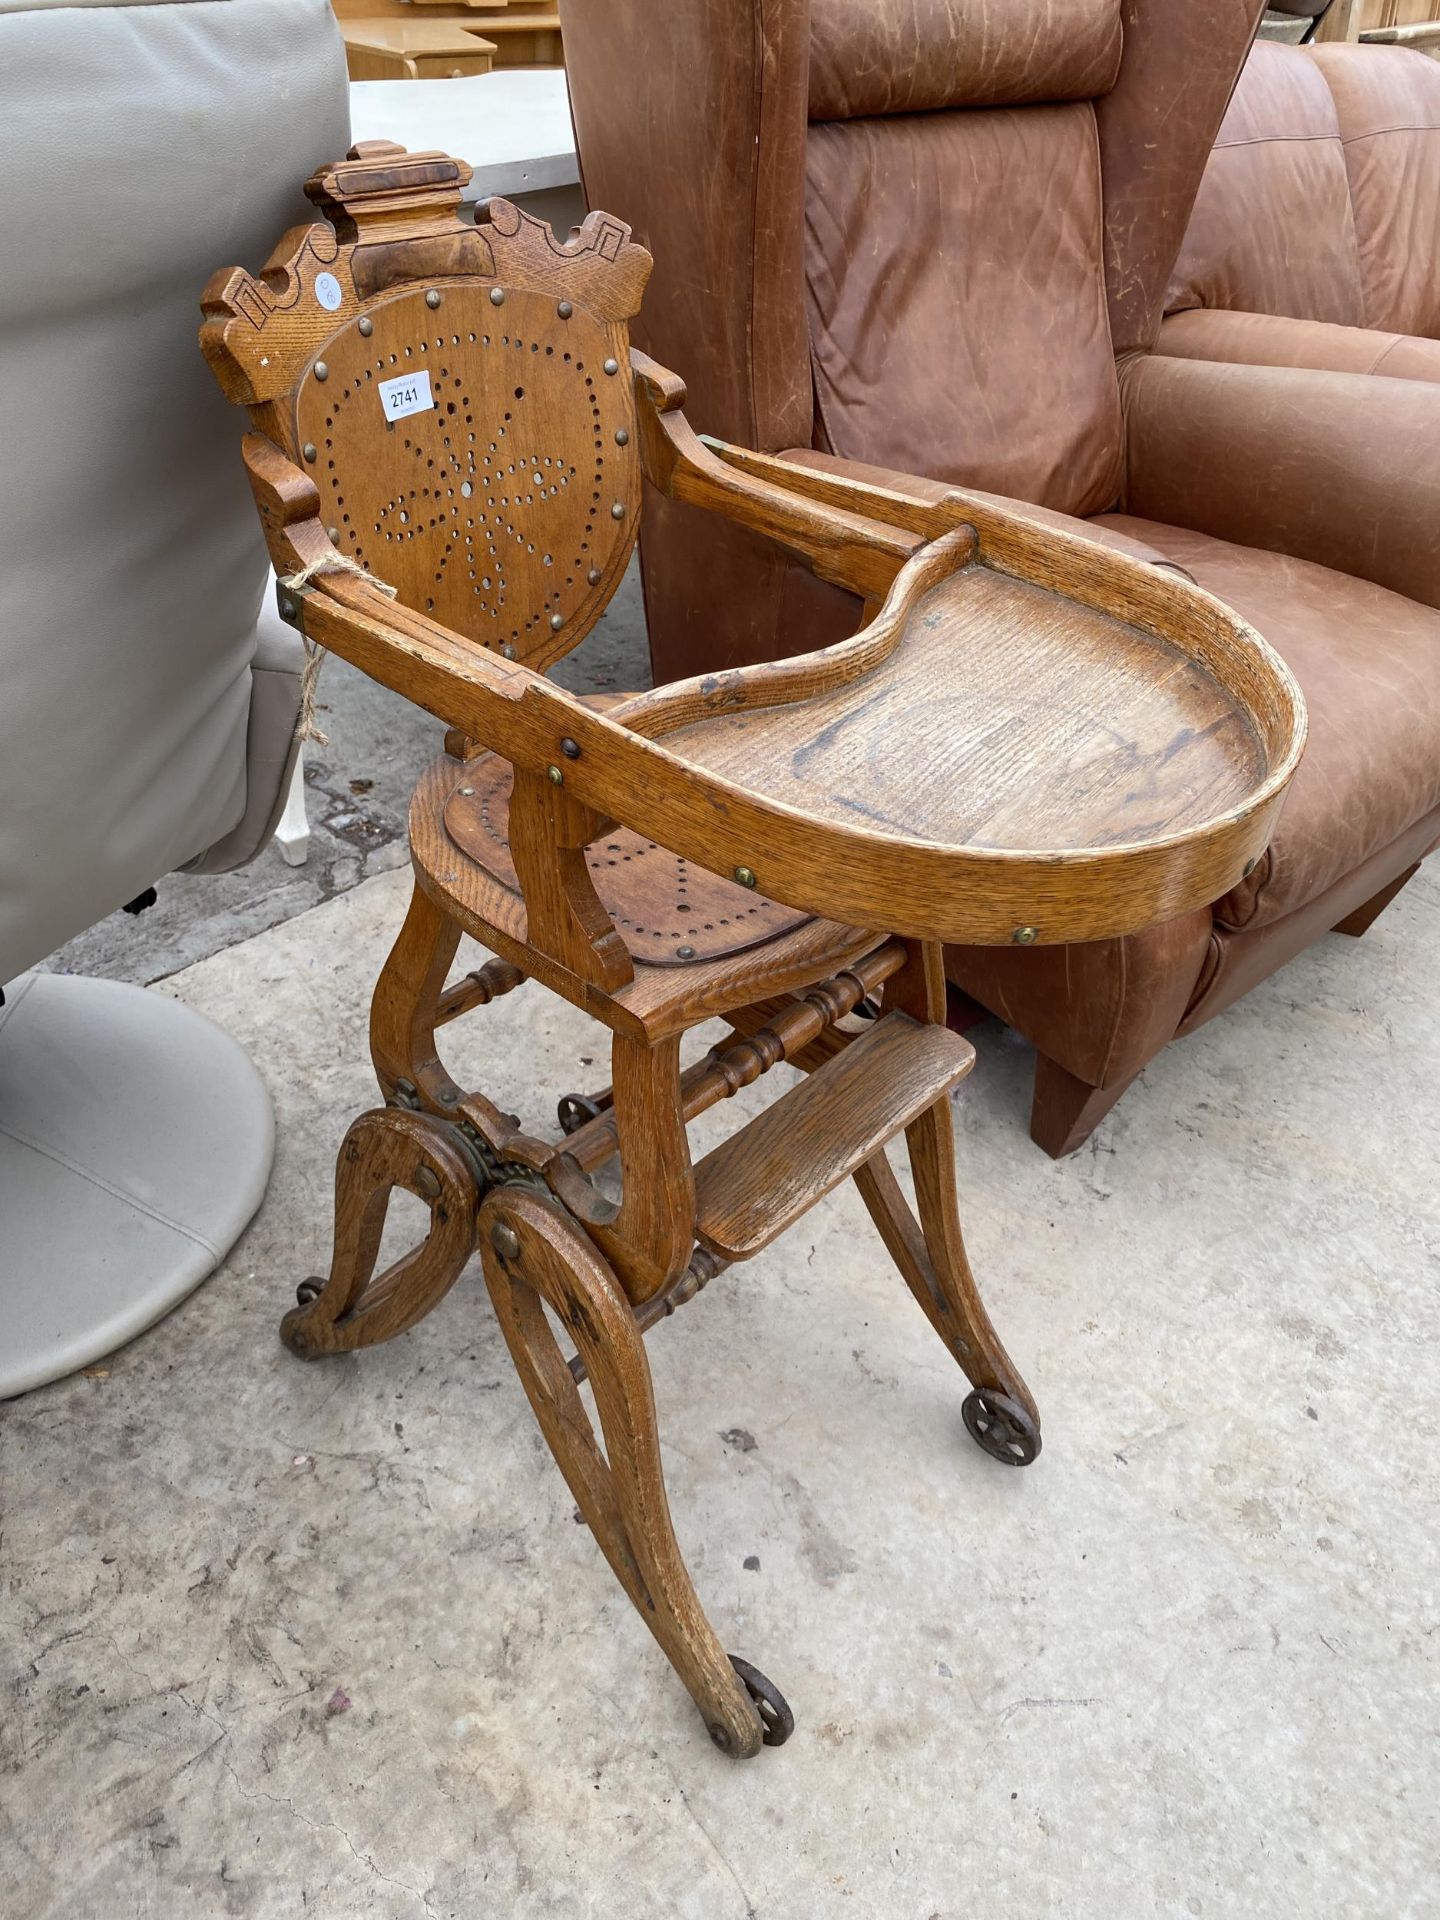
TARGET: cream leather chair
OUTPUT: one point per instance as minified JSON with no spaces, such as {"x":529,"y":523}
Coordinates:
{"x":148,"y":696}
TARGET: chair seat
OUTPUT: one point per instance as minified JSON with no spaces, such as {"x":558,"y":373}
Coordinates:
{"x":668,"y":912}
{"x":700,"y":944}
{"x":1368,"y":663}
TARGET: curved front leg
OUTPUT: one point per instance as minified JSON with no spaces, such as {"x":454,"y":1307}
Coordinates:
{"x":1000,"y":1415}
{"x":533,"y":1253}
{"x":385,"y":1149}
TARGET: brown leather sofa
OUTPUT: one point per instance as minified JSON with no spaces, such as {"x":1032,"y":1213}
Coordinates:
{"x":893,"y":235}
{"x":1315,"y":238}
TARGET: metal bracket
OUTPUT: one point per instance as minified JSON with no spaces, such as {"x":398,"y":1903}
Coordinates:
{"x":290,"y":604}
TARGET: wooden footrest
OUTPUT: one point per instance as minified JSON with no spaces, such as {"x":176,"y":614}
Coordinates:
{"x":760,"y":1181}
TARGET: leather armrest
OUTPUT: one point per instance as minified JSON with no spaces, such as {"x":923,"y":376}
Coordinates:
{"x":933,"y":490}
{"x":1273,"y":340}
{"x":1339,"y":468}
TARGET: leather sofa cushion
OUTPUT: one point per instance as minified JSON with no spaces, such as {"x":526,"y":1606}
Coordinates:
{"x":957,"y":303}
{"x":1271,"y":230}
{"x":912,"y":56}
{"x":1271,"y":340}
{"x":1368,"y":662}
{"x":1387,"y":103}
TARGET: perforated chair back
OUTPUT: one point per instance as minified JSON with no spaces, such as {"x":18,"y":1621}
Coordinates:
{"x":462,"y":400}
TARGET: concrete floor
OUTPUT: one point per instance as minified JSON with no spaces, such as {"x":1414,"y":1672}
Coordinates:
{"x":285,"y":1639}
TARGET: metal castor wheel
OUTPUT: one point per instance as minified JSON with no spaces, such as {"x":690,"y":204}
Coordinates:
{"x":771,"y":1705}
{"x":309,"y":1290}
{"x":1001,"y":1426}
{"x":575,"y":1109}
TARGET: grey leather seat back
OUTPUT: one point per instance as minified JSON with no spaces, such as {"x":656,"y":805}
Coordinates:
{"x":147,"y":702}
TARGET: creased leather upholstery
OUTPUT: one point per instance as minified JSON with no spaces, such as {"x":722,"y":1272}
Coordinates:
{"x":1237,"y":451}
{"x":1321,"y":199}
{"x":144,"y":144}
{"x":719,"y":192}
{"x":1387,"y":102}
{"x":1236,"y":962}
{"x":1269,"y":340}
{"x":1368,"y":663}
{"x":1016,"y":388}
{"x":911,"y":56}
{"x":1271,"y":230}
{"x":1156,"y":126}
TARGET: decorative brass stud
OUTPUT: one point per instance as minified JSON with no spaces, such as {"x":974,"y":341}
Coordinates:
{"x":564,"y":309}
{"x":309,"y":450}
{"x":555,"y":776}
{"x":322,"y":372}
{"x":468,"y":792}
{"x":432,"y":299}
{"x":684,"y":953}
{"x":617,"y":512}
{"x":569,"y":748}
{"x":622,"y":436}
{"x":367,"y":325}
{"x":593,"y":577}
{"x":505,"y":1240}
{"x":745,"y":876}
{"x":507,"y":652}
{"x":497,"y":296}
{"x":612,"y":366}
{"x":334,"y":533}
{"x":557,"y":620}
{"x":1025,"y":936}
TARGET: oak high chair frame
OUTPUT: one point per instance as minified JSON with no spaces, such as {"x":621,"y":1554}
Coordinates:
{"x":452,"y":413}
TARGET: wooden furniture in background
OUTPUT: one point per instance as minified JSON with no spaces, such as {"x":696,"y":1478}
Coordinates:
{"x":381,"y":49}
{"x":446,"y":39}
{"x":1390,"y":22}
{"x":1031,"y":739}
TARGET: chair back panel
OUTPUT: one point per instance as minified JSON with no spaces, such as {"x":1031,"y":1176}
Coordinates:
{"x":1271,"y":230}
{"x":957,"y":301}
{"x":871,"y":57}
{"x":461,"y":395}
{"x":1387,"y":100}
{"x":488,"y":499}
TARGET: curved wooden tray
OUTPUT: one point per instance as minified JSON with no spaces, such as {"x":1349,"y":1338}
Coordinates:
{"x":1030,"y":761}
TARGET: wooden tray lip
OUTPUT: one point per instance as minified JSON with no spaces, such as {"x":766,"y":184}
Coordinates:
{"x":1292,"y":732}
{"x":846,"y":874}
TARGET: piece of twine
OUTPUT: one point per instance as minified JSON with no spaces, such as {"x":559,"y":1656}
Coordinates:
{"x":332,"y":562}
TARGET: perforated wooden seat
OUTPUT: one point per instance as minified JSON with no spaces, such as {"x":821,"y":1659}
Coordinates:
{"x":669,"y":912}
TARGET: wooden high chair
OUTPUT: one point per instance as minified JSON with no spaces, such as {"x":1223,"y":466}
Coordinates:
{"x":1031,"y":738}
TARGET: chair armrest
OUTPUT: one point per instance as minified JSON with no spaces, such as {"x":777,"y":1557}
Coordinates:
{"x":837,"y":543}
{"x":1274,"y":340}
{"x":1338,"y":468}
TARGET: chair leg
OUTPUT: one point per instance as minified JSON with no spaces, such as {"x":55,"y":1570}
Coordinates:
{"x":533,"y":1254}
{"x":1364,"y":917}
{"x":383,"y":1150}
{"x":402,"y":1009}
{"x":1000,"y":1414}
{"x":1066,"y":1110}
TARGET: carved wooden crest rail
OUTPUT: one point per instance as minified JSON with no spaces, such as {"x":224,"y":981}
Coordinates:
{"x":1029,"y":738}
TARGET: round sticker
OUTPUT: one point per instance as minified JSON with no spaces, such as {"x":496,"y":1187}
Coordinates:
{"x":327,"y":291}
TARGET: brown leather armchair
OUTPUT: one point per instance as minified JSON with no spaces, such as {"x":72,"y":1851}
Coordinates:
{"x":1315,"y":237}
{"x":893,"y":234}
